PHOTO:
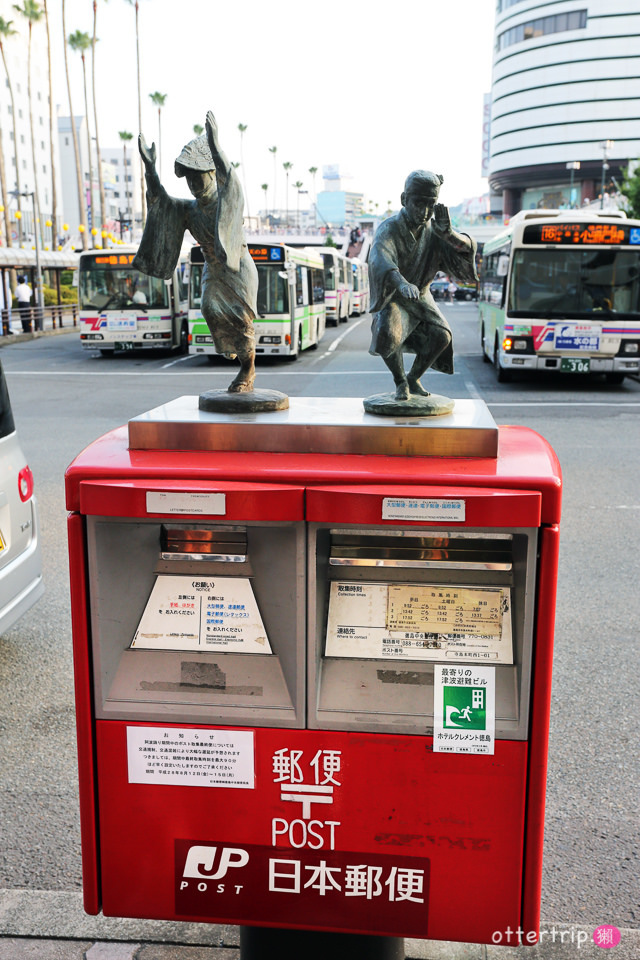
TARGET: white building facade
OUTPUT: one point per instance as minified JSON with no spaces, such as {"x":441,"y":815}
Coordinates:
{"x":565,"y":100}
{"x":20,"y":161}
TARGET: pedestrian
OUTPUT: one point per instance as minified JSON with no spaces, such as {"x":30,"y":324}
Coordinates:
{"x":451,"y":291}
{"x":23,"y":296}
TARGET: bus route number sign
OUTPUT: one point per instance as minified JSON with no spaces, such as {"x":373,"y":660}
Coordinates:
{"x":605,"y":234}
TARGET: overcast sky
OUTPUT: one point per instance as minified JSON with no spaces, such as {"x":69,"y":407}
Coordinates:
{"x":380,"y":89}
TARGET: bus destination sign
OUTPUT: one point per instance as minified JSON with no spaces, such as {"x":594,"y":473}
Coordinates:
{"x":603,"y":234}
{"x":266,"y":254}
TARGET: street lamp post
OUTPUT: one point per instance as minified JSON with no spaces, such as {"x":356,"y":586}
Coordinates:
{"x":573,"y":165}
{"x":605,"y":146}
{"x":39,"y":318}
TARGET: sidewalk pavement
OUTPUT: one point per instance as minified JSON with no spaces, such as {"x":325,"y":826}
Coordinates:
{"x":50,"y":925}
{"x":17,"y":335}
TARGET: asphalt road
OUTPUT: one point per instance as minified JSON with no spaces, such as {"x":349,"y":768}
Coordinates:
{"x":64,"y":398}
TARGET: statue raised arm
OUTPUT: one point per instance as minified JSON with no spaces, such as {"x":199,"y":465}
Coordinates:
{"x":215,"y":218}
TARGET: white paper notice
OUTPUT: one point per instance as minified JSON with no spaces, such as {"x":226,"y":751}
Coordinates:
{"x":206,"y":613}
{"x":464,"y":709}
{"x":419,"y":508}
{"x":206,"y":504}
{"x":191,"y":758}
{"x":419,"y":621}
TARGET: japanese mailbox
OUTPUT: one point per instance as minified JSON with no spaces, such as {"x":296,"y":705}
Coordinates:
{"x":313,"y":666}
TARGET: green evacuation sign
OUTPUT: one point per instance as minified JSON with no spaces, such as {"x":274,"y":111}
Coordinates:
{"x":463,"y":709}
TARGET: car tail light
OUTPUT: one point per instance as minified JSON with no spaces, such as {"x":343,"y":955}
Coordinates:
{"x":25,"y":484}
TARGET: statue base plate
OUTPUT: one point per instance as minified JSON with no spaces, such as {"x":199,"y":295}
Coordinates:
{"x":323,"y":425}
{"x":386,"y":405}
{"x":257,"y":401}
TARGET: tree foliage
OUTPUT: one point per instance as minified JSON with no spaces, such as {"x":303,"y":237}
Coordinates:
{"x":631,"y":189}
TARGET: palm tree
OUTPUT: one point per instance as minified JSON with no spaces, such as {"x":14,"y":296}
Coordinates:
{"x":3,"y":192}
{"x":125,"y":136}
{"x":79,"y":42}
{"x":159,"y":100}
{"x":95,"y":116}
{"x":242,"y":127}
{"x":274,"y":150}
{"x":198,"y":129}
{"x":286,"y":167}
{"x":6,"y":31}
{"x":265,"y":187}
{"x":297,"y":185}
{"x":54,"y":197}
{"x":143,"y":207}
{"x":32,"y":12}
{"x":82,"y":208}
{"x":313,"y":171}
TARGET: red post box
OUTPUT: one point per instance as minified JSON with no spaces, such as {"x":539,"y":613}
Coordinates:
{"x":313,"y":686}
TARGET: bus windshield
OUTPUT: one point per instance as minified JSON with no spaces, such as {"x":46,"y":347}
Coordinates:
{"x":574,"y":283}
{"x":272,"y":289}
{"x":117,"y":288}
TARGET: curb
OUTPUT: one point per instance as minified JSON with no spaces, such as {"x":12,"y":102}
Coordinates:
{"x":31,"y":919}
{"x":7,"y":340}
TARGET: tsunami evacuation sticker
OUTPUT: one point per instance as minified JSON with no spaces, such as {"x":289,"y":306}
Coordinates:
{"x":463,"y":709}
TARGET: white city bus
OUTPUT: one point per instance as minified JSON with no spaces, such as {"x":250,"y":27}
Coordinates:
{"x":560,"y":290}
{"x":122,"y":309}
{"x":291,"y":307}
{"x":337,"y":290}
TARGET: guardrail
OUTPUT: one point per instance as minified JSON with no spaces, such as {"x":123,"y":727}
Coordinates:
{"x":33,"y":319}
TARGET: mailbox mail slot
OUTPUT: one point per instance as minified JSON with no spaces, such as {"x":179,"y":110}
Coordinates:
{"x":387,"y":602}
{"x":188,"y":618}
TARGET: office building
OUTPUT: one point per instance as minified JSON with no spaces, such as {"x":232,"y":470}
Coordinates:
{"x":565,"y":100}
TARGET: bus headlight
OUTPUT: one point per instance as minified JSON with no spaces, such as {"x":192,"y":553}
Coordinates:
{"x":630,"y":346}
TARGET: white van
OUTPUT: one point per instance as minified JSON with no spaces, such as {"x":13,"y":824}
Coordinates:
{"x":20,"y":556}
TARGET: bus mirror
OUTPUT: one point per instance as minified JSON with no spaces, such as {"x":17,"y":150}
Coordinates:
{"x":502,"y":267}
{"x":283,"y":274}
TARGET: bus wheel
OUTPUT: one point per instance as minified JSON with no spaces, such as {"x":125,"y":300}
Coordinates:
{"x":615,"y":379}
{"x":485,"y":358}
{"x":183,"y":346}
{"x":502,"y":375}
{"x":108,"y":353}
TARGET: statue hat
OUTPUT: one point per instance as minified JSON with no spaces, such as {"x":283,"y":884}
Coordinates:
{"x":196,"y":155}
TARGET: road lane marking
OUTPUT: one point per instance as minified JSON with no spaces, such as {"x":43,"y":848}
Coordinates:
{"x":350,"y":329}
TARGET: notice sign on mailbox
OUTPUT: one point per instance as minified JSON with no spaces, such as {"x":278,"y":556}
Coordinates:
{"x":210,"y":613}
{"x":419,"y":622}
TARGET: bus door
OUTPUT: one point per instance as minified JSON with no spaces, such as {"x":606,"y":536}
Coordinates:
{"x":301,"y":317}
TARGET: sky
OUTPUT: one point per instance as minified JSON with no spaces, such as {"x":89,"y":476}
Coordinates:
{"x":380,"y":89}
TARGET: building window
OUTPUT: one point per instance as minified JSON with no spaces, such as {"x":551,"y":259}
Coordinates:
{"x":44,"y":168}
{"x":20,"y":114}
{"x":66,"y":141}
{"x":116,"y":194}
{"x":577,"y":20}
